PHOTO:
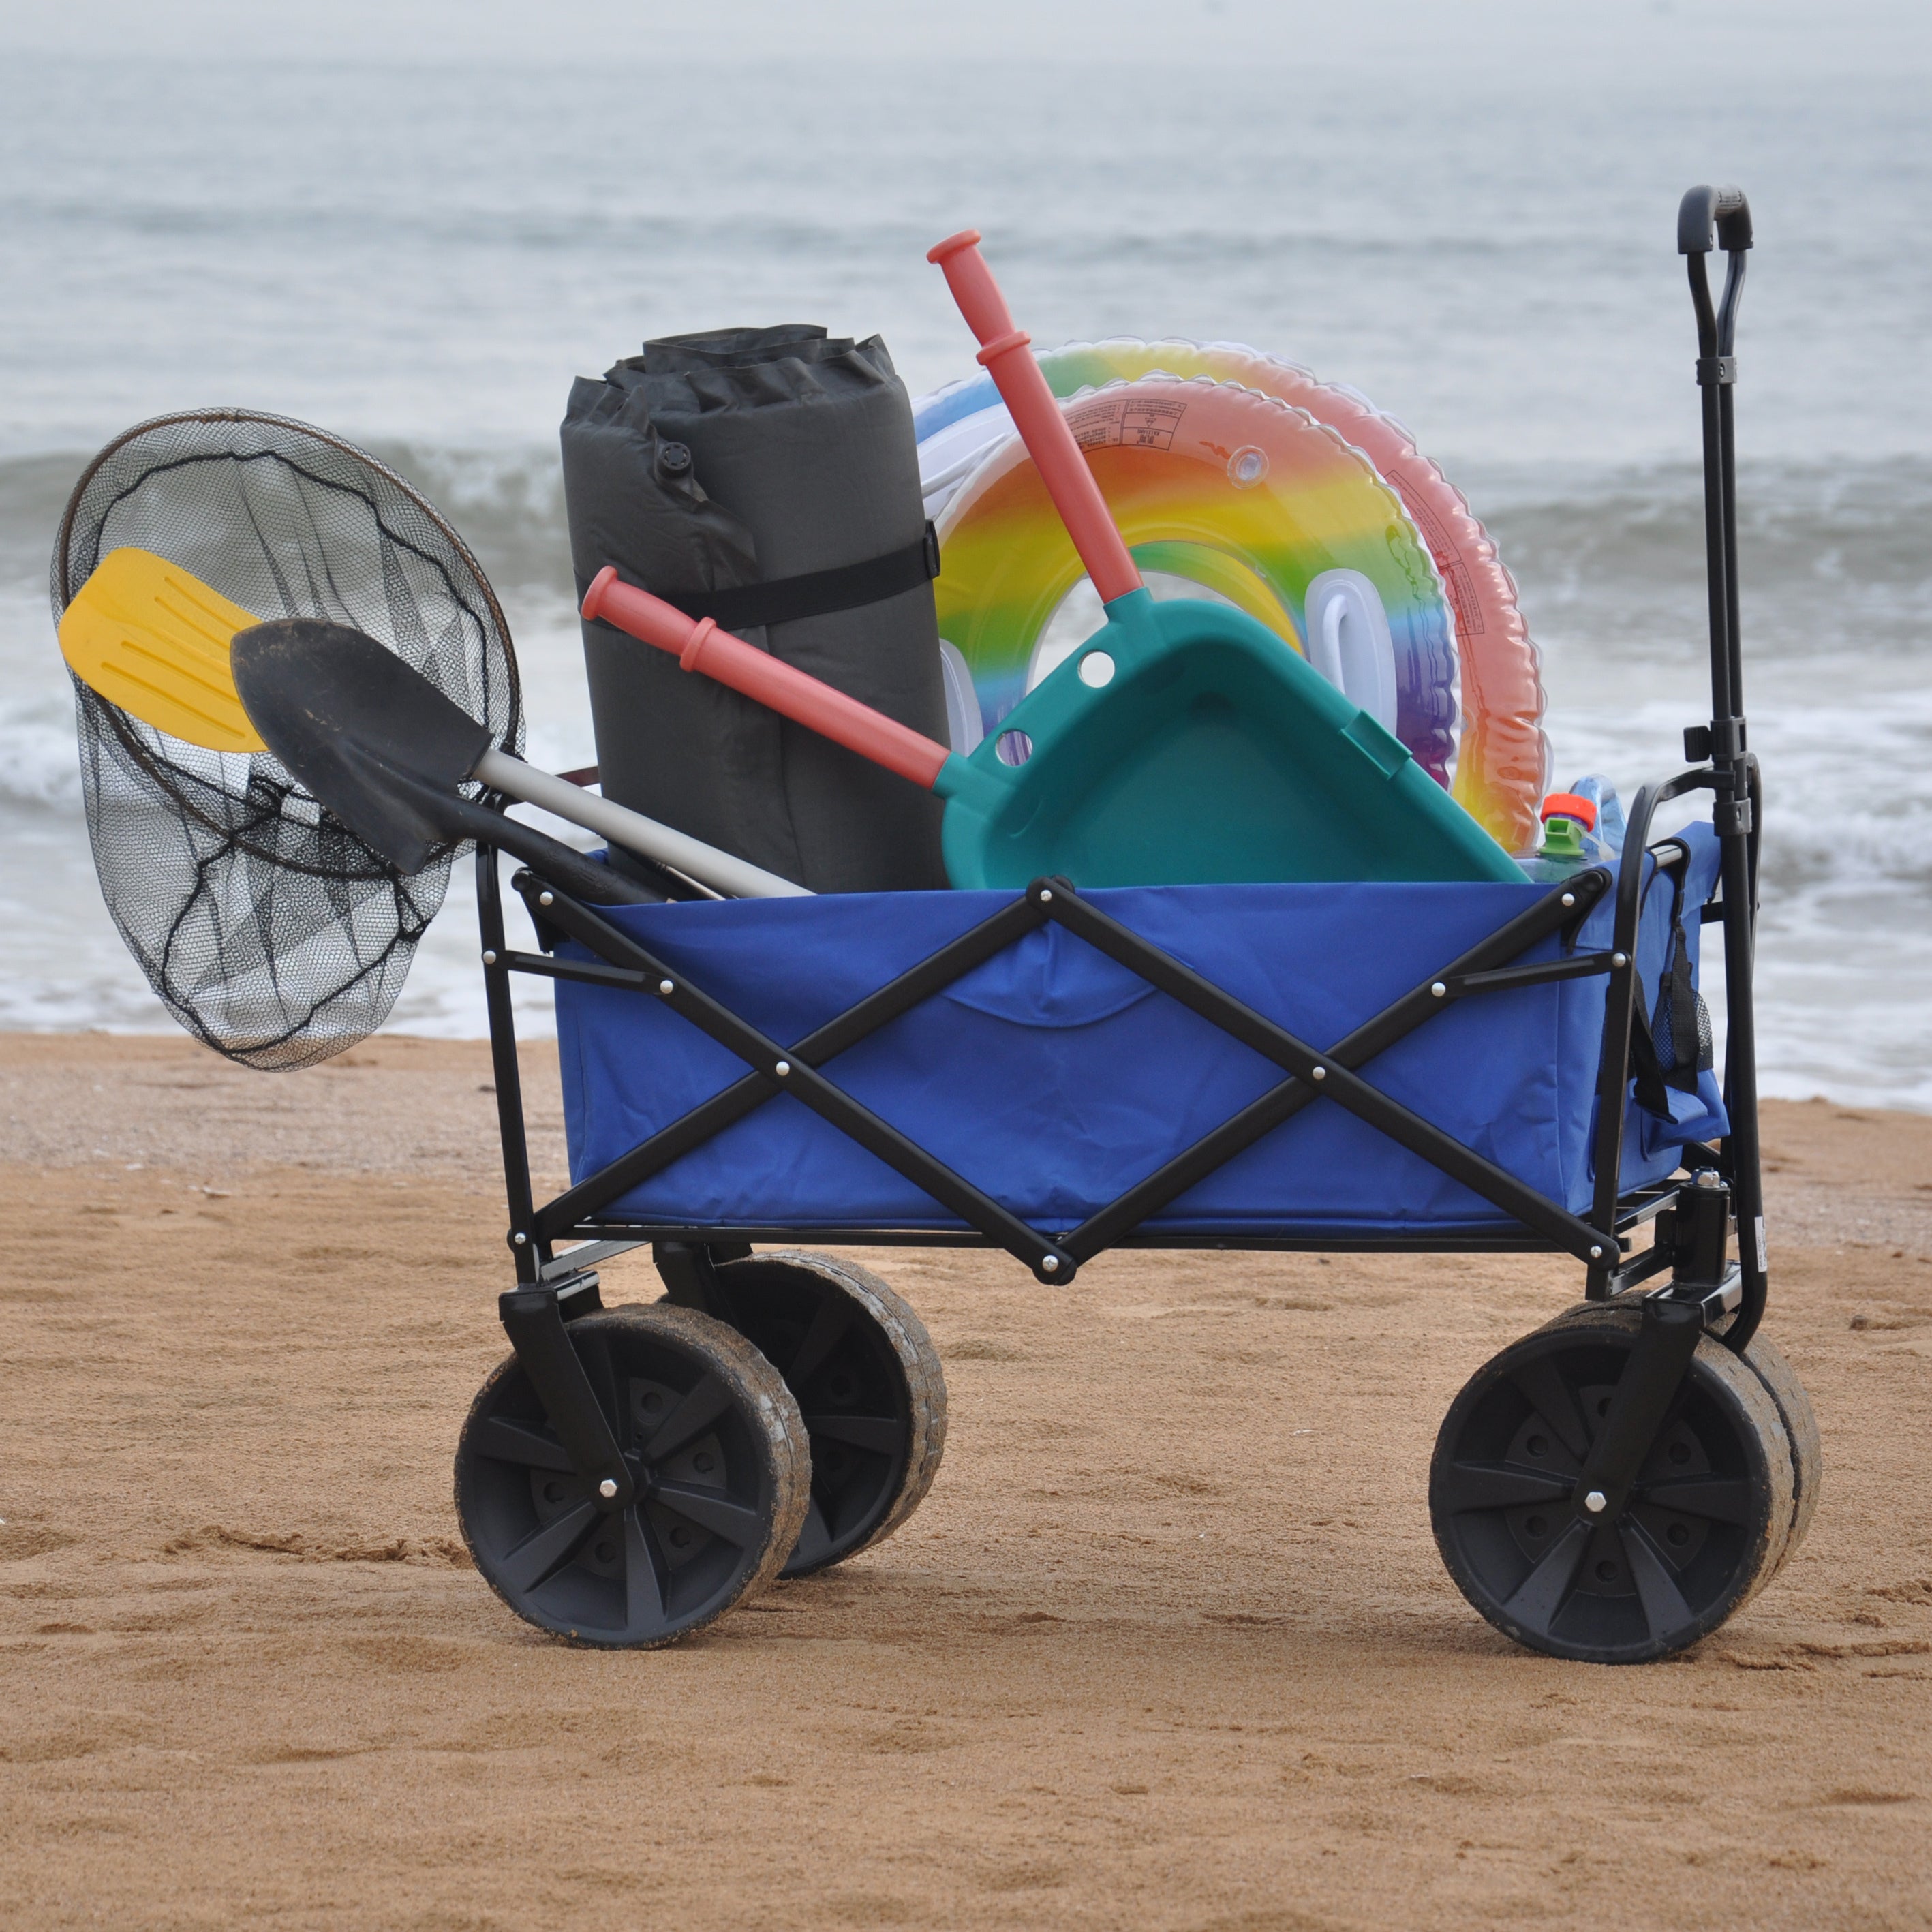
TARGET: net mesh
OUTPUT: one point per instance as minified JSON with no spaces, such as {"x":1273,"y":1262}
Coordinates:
{"x":268,"y":929}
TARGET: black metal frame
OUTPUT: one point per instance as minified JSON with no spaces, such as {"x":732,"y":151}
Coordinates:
{"x":1694,"y":1214}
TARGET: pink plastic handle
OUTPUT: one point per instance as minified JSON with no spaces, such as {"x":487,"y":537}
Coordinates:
{"x":698,"y":644}
{"x":1023,"y":390}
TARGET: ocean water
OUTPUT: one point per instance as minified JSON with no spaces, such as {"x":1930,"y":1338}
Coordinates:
{"x":414,"y":224}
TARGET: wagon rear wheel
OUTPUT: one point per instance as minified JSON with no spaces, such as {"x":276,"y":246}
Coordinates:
{"x":867,"y":1380}
{"x":714,"y":1442}
{"x":1705,"y":1526}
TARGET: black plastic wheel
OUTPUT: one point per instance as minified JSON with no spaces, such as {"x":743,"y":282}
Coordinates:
{"x":1766,"y":1361}
{"x":1705,"y":1526}
{"x":1801,"y":1424}
{"x":714,"y":1441}
{"x":867,"y":1380}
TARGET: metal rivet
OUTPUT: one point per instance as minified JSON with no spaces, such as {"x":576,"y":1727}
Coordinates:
{"x":1441,"y":992}
{"x":546,"y":898}
{"x":1050,"y":1265}
{"x":606,"y":1488}
{"x":1044,"y":896}
{"x":1596,"y":1254}
{"x":520,"y":1241}
{"x":1321,"y":1073}
{"x":664,"y":986}
{"x":1709,"y":1177}
{"x":1619,"y":961}
{"x":1569,"y":898}
{"x":1596,"y":1502}
{"x":782,"y":1069}
{"x":489,"y":958}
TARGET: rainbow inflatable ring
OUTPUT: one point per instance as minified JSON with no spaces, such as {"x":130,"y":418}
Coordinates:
{"x":1236,"y":473}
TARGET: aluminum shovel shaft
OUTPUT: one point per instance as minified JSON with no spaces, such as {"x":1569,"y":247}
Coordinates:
{"x":721,"y":872}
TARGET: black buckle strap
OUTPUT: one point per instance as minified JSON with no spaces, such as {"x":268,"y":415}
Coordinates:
{"x":816,"y":593}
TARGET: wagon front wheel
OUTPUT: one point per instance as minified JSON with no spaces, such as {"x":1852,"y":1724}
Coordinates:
{"x":1706,"y":1523}
{"x":716,"y":1447}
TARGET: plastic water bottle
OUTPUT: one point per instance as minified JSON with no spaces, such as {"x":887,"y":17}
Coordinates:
{"x":1607,"y":836}
{"x":1574,"y":830}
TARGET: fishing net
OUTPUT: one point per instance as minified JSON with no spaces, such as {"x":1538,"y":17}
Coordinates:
{"x":268,"y":930}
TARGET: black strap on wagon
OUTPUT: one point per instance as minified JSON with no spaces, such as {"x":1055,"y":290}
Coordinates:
{"x":1671,"y":1043}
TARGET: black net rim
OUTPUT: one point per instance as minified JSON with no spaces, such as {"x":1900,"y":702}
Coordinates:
{"x":63,"y":591}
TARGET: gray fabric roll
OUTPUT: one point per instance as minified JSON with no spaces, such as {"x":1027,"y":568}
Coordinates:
{"x":743,"y":457}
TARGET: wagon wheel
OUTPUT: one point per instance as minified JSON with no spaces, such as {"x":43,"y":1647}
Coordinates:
{"x":713,"y":1438}
{"x":868,"y":1379}
{"x":1807,"y":1453}
{"x":1705,"y":1526}
{"x":1767,"y":1363}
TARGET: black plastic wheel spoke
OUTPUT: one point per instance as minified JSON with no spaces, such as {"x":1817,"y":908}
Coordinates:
{"x":815,"y":1538}
{"x":880,"y":1434}
{"x":643,"y":1582}
{"x":1716,"y":1499}
{"x":545,"y":1551}
{"x":1486,"y":1486}
{"x":711,"y":1509}
{"x":830,"y":1321}
{"x":1549,"y":1394}
{"x":1669,"y":1616}
{"x":692,"y":1415}
{"x":594,"y":1352}
{"x":1541,"y":1594}
{"x":521,"y":1442}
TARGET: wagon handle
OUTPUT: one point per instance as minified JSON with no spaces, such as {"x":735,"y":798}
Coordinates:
{"x":1710,"y":218}
{"x":1004,"y":355}
{"x":1714,"y":216}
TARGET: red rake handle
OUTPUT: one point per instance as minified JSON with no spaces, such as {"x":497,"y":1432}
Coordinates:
{"x":1003,"y":355}
{"x":698,"y":644}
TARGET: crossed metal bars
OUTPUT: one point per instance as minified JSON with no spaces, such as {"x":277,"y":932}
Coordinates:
{"x":1312,"y":1073}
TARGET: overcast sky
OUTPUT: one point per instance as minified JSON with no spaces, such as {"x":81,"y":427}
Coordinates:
{"x":1729,"y":38}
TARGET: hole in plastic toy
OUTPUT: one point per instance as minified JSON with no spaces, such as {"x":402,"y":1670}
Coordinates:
{"x":1080,"y":613}
{"x":1349,"y":642}
{"x":1015,"y":748}
{"x":964,"y":730}
{"x":1096,"y":669}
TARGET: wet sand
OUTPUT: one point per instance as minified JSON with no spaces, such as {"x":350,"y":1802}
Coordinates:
{"x":1169,"y":1646}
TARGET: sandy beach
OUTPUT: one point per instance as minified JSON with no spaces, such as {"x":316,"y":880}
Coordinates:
{"x":1169,"y":1646}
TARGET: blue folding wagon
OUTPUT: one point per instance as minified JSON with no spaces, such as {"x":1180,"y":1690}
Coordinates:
{"x":1424,"y":1068}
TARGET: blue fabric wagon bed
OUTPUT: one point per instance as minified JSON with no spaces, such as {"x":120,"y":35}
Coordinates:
{"x":1054,"y":1078}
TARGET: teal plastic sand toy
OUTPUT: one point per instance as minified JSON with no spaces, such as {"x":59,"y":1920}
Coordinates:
{"x":1182,"y":744}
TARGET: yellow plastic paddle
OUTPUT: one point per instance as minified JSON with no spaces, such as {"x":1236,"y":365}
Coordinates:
{"x":154,"y":639}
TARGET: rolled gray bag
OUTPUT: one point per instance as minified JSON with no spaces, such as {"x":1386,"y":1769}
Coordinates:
{"x":768,"y":478}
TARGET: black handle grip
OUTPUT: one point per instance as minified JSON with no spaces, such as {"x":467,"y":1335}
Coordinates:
{"x":1713,"y":216}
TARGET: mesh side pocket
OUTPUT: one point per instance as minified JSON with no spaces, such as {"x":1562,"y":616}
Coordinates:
{"x":1680,"y":1023}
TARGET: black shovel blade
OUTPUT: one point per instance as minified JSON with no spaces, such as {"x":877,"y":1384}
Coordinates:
{"x":369,"y":736}
{"x":383,"y":749}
